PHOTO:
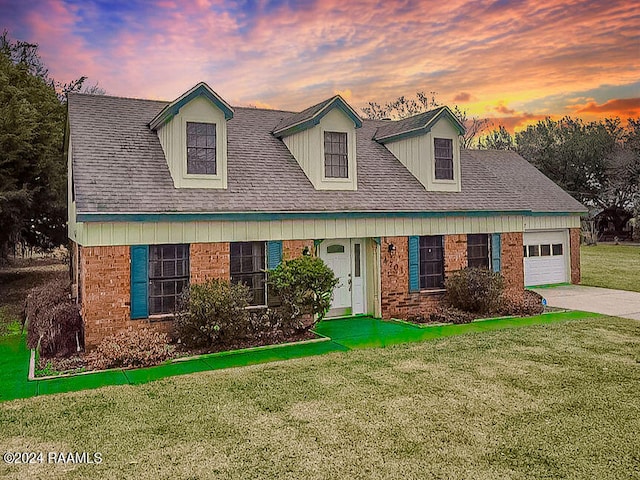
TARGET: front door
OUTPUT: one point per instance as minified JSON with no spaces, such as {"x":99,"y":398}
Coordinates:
{"x":346,"y":259}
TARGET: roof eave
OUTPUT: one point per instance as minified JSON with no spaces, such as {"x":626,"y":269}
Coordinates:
{"x":201,"y":89}
{"x":336,"y":102}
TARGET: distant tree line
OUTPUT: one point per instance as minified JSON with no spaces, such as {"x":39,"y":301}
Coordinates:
{"x":33,"y":170}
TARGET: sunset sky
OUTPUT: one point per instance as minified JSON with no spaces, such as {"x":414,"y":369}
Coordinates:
{"x":512,"y":61}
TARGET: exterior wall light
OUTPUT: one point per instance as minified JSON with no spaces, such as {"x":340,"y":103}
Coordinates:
{"x":392,"y":248}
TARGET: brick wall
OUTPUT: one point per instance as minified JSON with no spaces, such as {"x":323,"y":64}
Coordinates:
{"x":574,"y":248}
{"x":105,"y":279}
{"x":396,"y":300}
{"x":293,"y":248}
{"x":208,"y":261}
{"x":104,"y":283}
{"x":455,"y":253}
{"x":512,"y":264}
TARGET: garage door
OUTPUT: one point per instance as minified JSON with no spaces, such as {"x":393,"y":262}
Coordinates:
{"x":545,"y":257}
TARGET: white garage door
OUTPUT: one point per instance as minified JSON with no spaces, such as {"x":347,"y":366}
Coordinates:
{"x":545,"y":257}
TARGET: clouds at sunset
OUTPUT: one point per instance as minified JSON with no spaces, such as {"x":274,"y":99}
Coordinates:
{"x":511,"y":60}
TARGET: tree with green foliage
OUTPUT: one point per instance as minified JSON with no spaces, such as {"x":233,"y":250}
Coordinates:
{"x":403,"y":107}
{"x":497,"y":139}
{"x":33,"y":170}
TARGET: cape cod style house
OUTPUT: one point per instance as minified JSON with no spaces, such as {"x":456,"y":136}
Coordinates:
{"x":166,"y":193}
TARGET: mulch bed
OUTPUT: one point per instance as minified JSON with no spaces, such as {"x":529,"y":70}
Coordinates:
{"x":78,"y":363}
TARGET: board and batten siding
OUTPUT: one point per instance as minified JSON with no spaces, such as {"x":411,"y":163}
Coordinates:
{"x":307,"y":147}
{"x":417,"y":154}
{"x":141,"y":233}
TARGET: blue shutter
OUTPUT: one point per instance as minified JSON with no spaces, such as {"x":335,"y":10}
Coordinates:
{"x":414,"y":264}
{"x":495,"y":251}
{"x":139,"y":281}
{"x":274,"y":254}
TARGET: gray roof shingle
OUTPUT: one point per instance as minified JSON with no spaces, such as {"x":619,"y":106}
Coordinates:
{"x":119,"y":167}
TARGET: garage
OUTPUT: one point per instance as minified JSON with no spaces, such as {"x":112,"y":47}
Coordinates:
{"x":546,"y":257}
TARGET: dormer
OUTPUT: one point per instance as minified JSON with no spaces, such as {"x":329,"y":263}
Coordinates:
{"x":193,"y":133}
{"x":322,"y":139}
{"x":428,"y":144}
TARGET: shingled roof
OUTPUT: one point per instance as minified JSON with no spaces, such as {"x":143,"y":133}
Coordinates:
{"x":415,"y":125}
{"x":312,"y":115}
{"x":119,"y":167}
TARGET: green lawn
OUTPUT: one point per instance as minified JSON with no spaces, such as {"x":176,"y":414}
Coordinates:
{"x":611,"y":266}
{"x":549,"y":401}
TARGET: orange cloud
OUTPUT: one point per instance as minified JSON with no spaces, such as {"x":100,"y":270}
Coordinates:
{"x":625,"y":107}
{"x":513,"y":123}
{"x":462,"y":97}
{"x":501,"y":108}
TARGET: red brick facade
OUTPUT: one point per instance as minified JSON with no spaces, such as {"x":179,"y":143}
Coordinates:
{"x":396,"y":300}
{"x":574,"y":248}
{"x":104,"y":290}
{"x":512,"y":264}
{"x":293,"y":248}
{"x":208,"y":261}
{"x":104,"y":278}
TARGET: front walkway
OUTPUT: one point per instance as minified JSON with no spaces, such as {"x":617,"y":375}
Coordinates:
{"x":345,"y":334}
{"x":607,"y":301}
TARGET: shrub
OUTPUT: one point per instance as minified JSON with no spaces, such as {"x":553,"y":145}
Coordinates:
{"x":131,"y":348}
{"x":305,"y":287}
{"x":213,"y":312}
{"x":475,"y":290}
{"x":54,"y":321}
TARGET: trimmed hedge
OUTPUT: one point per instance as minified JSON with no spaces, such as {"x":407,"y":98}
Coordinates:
{"x":475,"y":290}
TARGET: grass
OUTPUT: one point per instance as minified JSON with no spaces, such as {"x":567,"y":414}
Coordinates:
{"x":548,"y":401}
{"x":611,"y":266}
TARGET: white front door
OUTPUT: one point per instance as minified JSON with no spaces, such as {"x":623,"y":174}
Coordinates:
{"x":346,"y":259}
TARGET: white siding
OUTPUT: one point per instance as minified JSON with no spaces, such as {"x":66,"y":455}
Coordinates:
{"x":173,"y":138}
{"x":130,"y":233}
{"x":417,"y":154}
{"x":307,"y":147}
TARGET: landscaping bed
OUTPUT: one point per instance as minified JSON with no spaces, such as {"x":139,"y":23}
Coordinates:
{"x":80,"y":363}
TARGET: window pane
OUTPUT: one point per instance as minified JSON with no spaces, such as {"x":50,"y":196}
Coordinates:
{"x":478,"y":250}
{"x":443,"y":153}
{"x":247,"y":265}
{"x":557,"y":249}
{"x":201,"y":148}
{"x":545,"y":250}
{"x":335,"y":155}
{"x":356,"y":259}
{"x":534,"y":251}
{"x":168,"y":275}
{"x":431,"y":262}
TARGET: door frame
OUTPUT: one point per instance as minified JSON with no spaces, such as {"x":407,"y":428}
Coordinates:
{"x":351,"y":242}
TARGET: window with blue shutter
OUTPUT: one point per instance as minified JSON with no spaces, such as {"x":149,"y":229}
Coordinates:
{"x":139,"y":281}
{"x":495,"y":252}
{"x":274,"y":254}
{"x":414,"y":264}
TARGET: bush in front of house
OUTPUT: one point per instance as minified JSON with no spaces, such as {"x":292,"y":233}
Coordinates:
{"x":54,"y":322}
{"x":304,"y":286}
{"x":213,"y":312}
{"x":475,"y":290}
{"x":131,"y":348}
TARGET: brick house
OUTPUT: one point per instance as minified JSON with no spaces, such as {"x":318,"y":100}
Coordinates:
{"x":166,"y":193}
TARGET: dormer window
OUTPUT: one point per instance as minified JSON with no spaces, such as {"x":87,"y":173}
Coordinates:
{"x":336,"y":162}
{"x":201,"y":148}
{"x":443,"y":148}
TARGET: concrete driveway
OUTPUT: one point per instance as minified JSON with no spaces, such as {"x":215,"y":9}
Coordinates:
{"x":593,"y":299}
